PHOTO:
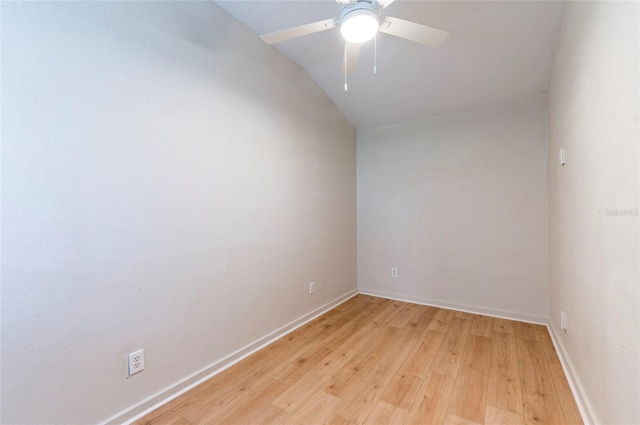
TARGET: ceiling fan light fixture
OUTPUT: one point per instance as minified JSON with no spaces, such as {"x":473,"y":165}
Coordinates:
{"x":359,"y":25}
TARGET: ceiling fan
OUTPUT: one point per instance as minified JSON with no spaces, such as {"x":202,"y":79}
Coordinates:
{"x":360,"y":21}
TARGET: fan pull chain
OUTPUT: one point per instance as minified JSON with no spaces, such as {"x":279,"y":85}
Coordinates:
{"x":375,"y":55}
{"x":345,"y":66}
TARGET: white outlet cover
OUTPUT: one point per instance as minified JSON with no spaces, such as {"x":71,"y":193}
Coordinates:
{"x":136,"y":362}
{"x":312,"y":287}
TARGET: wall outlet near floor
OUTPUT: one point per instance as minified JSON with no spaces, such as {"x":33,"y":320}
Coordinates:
{"x":136,"y":362}
{"x":394,"y":272}
{"x":563,"y":320}
{"x":312,"y":287}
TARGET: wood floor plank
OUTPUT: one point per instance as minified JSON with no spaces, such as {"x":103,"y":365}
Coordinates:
{"x":528,"y":330}
{"x":318,"y":328}
{"x":419,"y":360}
{"x":388,"y":312}
{"x":337,"y":420}
{"x":457,"y":420}
{"x":469,"y":397}
{"x":308,"y":357}
{"x":353,"y":301}
{"x":390,"y":361}
{"x":298,"y":365}
{"x":361,"y":364}
{"x":211,"y":388}
{"x":419,"y":323}
{"x":358,"y":403}
{"x":540,"y":402}
{"x":503,"y":325}
{"x":222,"y":390}
{"x":316,"y":410}
{"x":404,"y":317}
{"x":505,"y":388}
{"x":312,"y":334}
{"x":441,"y":320}
{"x":254,"y":400}
{"x":432,"y":401}
{"x":379,"y":313}
{"x":225,"y":397}
{"x":362,"y":302}
{"x":386,"y":414}
{"x":449,"y":356}
{"x":430,"y":311}
{"x":266,"y":415}
{"x":495,"y":416}
{"x":313,"y":381}
{"x":482,"y":325}
{"x":565,"y":396}
{"x":402,"y":390}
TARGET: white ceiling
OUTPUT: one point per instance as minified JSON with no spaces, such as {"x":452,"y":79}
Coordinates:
{"x":498,"y":50}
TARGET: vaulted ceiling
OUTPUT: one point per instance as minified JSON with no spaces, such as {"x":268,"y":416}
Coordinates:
{"x":497,"y":50}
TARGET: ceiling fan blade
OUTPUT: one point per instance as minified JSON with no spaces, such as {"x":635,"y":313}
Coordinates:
{"x":385,"y":3}
{"x":278,"y":36}
{"x":343,"y":2}
{"x":353,"y":53}
{"x":411,"y":31}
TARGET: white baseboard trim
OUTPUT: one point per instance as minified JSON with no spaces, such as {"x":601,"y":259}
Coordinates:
{"x":521,"y":317}
{"x":585,"y":408}
{"x":164,"y":396}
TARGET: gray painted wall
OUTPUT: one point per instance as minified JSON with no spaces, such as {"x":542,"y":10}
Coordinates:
{"x":458,"y":203}
{"x":169,"y":183}
{"x":594,"y":107}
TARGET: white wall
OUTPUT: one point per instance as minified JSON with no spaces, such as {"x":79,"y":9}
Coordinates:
{"x":169,"y":182}
{"x":594,"y":255}
{"x":458,"y":203}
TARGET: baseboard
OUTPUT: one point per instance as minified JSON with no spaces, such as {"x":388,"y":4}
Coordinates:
{"x":153,"y":402}
{"x":539,"y":320}
{"x":586,"y":411}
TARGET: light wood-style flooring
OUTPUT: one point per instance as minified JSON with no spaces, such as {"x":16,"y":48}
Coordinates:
{"x":377,"y":361}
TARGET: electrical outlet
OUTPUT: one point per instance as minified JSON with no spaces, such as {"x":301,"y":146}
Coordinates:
{"x":394,"y":272}
{"x":312,"y":287}
{"x":136,"y":362}
{"x":563,"y":320}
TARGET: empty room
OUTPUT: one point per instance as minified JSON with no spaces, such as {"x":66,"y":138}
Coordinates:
{"x":320,"y":212}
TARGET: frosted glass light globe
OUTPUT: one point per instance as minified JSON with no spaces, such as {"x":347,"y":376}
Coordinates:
{"x":359,"y":27}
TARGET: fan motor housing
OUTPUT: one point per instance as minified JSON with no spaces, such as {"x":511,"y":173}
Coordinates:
{"x":359,"y":8}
